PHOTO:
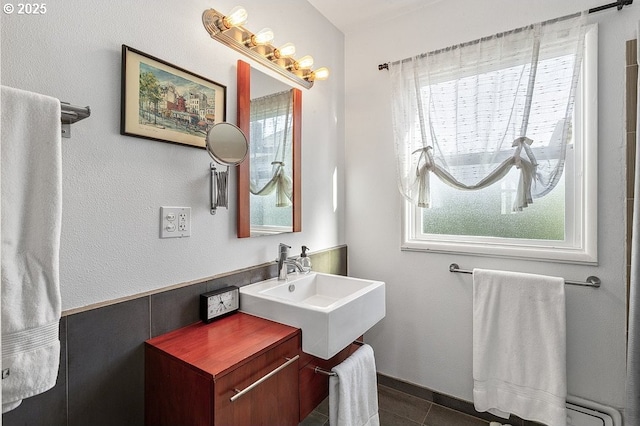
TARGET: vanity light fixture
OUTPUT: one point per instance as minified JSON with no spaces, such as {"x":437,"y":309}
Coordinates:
{"x":238,"y":16}
{"x":264,"y":36}
{"x":287,"y":50}
{"x":303,"y":63}
{"x":319,"y":74}
{"x":229,"y":30}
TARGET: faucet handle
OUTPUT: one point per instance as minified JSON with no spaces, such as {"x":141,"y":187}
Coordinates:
{"x":283,"y":248}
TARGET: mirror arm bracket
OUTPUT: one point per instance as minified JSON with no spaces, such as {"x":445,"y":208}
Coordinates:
{"x":227,"y":145}
{"x":213,"y":187}
{"x":218,"y":186}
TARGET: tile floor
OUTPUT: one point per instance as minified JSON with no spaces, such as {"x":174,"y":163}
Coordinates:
{"x":401,"y":409}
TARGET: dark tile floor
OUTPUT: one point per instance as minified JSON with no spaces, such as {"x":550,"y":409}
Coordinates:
{"x":401,"y":409}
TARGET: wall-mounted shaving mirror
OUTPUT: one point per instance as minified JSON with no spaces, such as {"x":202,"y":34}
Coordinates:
{"x":269,"y":190}
{"x":227,"y":145}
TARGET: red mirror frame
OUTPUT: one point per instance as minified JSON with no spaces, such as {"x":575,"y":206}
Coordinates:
{"x":244,"y":105}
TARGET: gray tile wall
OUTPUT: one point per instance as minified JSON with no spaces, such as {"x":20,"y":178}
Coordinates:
{"x":101,"y":375}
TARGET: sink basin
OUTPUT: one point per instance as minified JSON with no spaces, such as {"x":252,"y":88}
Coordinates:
{"x":331,"y":310}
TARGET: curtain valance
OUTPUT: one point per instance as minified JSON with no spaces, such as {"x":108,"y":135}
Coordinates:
{"x":470,"y":113}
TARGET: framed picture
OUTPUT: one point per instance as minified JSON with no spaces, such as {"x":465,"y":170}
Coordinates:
{"x":163,"y":102}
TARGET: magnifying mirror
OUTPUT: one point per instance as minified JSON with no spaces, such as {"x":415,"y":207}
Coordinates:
{"x":227,"y":145}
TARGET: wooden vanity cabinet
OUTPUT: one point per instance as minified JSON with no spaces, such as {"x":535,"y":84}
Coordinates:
{"x":192,"y":373}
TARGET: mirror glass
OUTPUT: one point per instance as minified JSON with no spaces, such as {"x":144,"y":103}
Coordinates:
{"x":271,"y":157}
{"x":227,"y":144}
{"x":269,"y":113}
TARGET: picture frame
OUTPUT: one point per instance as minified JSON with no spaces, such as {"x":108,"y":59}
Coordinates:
{"x":163,"y":102}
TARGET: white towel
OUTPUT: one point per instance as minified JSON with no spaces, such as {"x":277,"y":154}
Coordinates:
{"x":31,"y":218}
{"x":519,"y":346}
{"x":353,"y":393}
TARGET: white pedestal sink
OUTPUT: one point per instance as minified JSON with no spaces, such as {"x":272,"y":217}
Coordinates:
{"x":331,"y":310}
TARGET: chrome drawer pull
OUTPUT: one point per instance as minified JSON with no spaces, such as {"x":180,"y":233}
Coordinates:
{"x":263,"y":378}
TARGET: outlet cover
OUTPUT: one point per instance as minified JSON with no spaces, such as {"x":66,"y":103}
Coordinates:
{"x":175,"y":222}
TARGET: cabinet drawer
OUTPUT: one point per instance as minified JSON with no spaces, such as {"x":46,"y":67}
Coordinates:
{"x":271,"y":381}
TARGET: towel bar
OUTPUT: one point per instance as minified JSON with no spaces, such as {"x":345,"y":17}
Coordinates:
{"x":319,"y":370}
{"x":591,"y":281}
{"x":70,"y":114}
{"x":325,"y":372}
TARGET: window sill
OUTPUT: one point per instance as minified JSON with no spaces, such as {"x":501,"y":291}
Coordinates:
{"x":491,"y":249}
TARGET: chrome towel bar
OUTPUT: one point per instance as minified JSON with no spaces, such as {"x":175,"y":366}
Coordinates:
{"x":70,"y":114}
{"x":591,"y":281}
{"x":319,"y":370}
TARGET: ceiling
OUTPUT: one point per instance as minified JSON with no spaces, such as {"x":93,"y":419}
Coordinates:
{"x":346,"y":14}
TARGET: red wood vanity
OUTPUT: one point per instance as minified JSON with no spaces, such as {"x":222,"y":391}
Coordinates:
{"x":193,"y":373}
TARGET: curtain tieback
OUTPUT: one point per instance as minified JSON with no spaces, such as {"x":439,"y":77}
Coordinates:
{"x":521,"y":143}
{"x":424,"y":165}
{"x":426,"y":156}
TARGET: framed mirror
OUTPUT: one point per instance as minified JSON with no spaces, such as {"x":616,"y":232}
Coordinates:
{"x":269,"y":183}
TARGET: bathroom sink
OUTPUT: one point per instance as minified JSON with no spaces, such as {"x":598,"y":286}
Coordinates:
{"x":331,"y":310}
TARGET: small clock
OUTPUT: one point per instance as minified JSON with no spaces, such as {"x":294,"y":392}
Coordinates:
{"x":218,"y":303}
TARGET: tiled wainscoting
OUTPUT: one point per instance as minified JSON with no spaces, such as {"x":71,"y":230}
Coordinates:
{"x":101,"y":376}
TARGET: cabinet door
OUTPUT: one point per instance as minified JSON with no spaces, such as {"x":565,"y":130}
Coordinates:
{"x":175,"y":395}
{"x":273,"y":401}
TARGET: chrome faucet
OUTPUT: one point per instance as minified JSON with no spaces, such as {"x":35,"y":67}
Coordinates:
{"x":283,"y":262}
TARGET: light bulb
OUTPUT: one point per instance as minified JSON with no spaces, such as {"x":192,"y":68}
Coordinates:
{"x":263,"y":36}
{"x":238,"y":16}
{"x":304,"y":62}
{"x":320,"y":74}
{"x":286,"y":50}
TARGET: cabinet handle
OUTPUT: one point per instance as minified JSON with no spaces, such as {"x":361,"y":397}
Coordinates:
{"x":239,"y":393}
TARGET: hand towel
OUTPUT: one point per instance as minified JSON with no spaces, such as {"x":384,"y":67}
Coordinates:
{"x":519,"y":346}
{"x":353,"y":392}
{"x":31,"y":186}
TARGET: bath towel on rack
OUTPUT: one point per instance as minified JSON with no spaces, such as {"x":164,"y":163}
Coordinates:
{"x":31,"y":220}
{"x":353,"y":391}
{"x":519,"y":346}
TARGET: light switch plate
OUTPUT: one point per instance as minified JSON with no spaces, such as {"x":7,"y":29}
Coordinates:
{"x":175,"y":222}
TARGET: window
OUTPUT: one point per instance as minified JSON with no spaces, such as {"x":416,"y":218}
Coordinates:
{"x":559,"y":222}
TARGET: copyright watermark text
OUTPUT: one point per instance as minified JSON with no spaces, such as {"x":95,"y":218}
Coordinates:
{"x":25,"y":8}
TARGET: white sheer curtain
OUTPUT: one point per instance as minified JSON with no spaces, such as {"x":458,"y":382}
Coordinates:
{"x":469,"y":113}
{"x":632,"y":409}
{"x":271,"y":139}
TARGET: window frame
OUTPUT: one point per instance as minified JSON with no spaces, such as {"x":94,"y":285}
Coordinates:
{"x":582,"y":212}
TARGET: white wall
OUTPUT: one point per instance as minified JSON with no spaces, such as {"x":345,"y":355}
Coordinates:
{"x":426,"y":335}
{"x":114,"y":185}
